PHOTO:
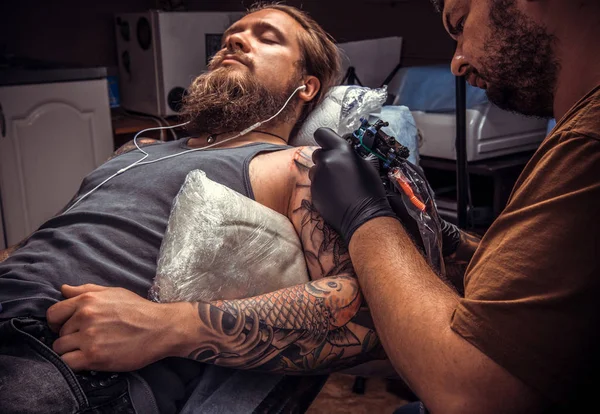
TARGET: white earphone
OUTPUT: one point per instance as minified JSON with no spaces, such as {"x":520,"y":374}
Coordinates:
{"x":146,"y":155}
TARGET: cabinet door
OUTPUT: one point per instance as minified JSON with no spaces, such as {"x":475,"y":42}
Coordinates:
{"x":55,"y":134}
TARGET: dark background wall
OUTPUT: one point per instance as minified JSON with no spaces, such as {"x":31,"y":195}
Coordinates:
{"x":82,"y":32}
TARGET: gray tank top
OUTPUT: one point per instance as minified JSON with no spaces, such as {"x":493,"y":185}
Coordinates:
{"x":113,"y":236}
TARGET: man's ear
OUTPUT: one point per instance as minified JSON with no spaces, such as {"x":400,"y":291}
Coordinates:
{"x":313,"y":86}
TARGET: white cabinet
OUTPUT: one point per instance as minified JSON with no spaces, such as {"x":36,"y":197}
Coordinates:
{"x":53,"y":135}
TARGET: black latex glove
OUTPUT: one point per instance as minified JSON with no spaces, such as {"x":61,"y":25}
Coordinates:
{"x":450,"y":233}
{"x":346,"y":189}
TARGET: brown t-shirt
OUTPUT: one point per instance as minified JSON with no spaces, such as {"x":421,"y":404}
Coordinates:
{"x":532,"y":290}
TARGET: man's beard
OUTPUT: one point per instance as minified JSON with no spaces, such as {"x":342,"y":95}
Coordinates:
{"x":227,"y":99}
{"x":520,"y":67}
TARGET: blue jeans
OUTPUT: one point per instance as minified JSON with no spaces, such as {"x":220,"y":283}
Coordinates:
{"x":34,"y":379}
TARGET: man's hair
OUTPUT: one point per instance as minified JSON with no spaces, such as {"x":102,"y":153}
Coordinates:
{"x":320,"y":56}
{"x":438,"y":4}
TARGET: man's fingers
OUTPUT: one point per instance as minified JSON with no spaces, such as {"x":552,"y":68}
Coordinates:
{"x":327,"y":139}
{"x":59,"y":313}
{"x":70,"y":326}
{"x":67,"y":343}
{"x":77,"y":361}
{"x":69,"y":291}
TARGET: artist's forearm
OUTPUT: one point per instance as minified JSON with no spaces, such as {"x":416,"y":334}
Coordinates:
{"x":412,"y":310}
{"x":308,"y":328}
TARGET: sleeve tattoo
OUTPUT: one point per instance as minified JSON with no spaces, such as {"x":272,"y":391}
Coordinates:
{"x":316,"y":328}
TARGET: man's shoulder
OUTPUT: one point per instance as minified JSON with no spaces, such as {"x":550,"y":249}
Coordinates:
{"x":300,"y":158}
{"x":131,"y":145}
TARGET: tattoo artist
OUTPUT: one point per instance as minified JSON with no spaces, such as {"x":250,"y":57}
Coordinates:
{"x":524,"y":335}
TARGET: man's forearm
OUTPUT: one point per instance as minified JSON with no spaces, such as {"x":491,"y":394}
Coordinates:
{"x":412,"y":309}
{"x":314,"y":328}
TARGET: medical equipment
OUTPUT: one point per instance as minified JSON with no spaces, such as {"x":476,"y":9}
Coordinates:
{"x":161,"y":52}
{"x":400,"y":176}
{"x":142,"y":162}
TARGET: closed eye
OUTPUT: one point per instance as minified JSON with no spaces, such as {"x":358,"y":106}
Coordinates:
{"x":458,"y":29}
{"x":269,"y":40}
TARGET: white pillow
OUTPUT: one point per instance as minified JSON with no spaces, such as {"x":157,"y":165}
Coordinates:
{"x":220,"y":244}
{"x":340,"y":110}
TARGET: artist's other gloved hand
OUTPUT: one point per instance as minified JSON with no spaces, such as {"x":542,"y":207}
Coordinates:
{"x":450,"y":233}
{"x":346,"y":189}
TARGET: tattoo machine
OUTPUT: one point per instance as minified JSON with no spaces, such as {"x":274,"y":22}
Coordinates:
{"x":402,"y":178}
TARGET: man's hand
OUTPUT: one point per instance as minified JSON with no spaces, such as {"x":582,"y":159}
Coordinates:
{"x":346,"y":189}
{"x":108,"y":329}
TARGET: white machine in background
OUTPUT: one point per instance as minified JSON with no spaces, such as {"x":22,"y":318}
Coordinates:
{"x":372,"y":60}
{"x":160,"y":53}
{"x":491,"y":132}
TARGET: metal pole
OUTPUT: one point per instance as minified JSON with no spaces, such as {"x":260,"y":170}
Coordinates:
{"x":462,"y":178}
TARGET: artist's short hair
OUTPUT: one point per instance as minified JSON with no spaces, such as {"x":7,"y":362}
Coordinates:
{"x":320,"y":56}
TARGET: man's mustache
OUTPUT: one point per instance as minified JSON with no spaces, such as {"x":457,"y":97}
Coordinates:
{"x":227,"y":54}
{"x":471,"y":70}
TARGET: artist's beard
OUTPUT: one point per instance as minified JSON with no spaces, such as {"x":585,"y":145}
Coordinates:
{"x":228,"y":99}
{"x":520,"y":66}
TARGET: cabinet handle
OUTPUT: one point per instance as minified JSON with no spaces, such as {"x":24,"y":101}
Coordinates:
{"x":2,"y":122}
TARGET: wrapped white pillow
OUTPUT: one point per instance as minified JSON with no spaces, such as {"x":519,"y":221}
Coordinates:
{"x":340,"y":110}
{"x":220,"y":244}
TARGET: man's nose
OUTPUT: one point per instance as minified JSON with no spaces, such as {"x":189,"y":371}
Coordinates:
{"x":460,"y":64}
{"x":237,"y":41}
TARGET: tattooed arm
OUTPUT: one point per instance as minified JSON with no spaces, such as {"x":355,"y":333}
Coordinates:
{"x":314,"y":328}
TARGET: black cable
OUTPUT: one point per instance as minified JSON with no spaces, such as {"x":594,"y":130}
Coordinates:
{"x":462,"y":175}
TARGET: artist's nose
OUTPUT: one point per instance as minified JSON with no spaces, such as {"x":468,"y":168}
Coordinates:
{"x":460,"y":64}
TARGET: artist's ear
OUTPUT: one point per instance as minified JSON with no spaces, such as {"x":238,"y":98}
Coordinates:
{"x":313,"y":86}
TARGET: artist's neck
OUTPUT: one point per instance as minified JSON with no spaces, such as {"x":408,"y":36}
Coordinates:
{"x":277,"y":135}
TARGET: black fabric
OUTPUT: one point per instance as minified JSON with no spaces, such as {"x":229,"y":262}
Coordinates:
{"x":113,"y":236}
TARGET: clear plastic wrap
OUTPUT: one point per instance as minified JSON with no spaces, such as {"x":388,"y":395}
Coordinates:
{"x":220,"y":244}
{"x":419,"y":202}
{"x":359,"y":102}
{"x":340,"y":110}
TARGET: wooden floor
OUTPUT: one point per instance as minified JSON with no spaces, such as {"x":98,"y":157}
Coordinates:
{"x":337,"y":397}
